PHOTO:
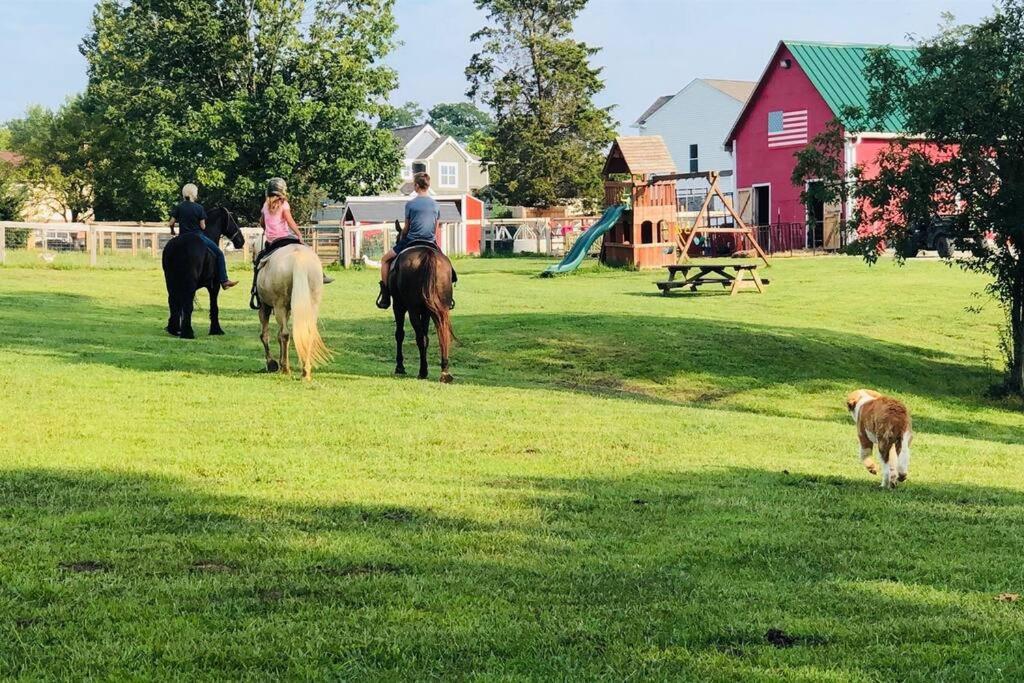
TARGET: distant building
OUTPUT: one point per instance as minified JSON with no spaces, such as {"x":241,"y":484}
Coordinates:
{"x":803,"y":87}
{"x":452,"y":169}
{"x":693,"y":123}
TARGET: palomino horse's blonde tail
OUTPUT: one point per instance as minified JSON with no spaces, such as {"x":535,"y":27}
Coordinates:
{"x":305,"y":306}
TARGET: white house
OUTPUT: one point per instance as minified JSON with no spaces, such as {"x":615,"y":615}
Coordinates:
{"x":693,"y":123}
{"x":452,"y":169}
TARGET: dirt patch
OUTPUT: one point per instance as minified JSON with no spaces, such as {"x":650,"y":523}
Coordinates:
{"x":780,"y":639}
{"x":85,"y":567}
{"x":1008,"y":597}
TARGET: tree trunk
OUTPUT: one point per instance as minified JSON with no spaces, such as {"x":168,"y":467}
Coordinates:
{"x":1016,"y":378}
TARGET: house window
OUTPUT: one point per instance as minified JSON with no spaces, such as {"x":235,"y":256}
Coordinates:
{"x":419,"y":167}
{"x":407,"y":170}
{"x":693,"y":159}
{"x":449,"y":173}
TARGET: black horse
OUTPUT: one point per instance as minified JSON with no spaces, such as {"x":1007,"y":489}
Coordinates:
{"x":189,"y":266}
{"x":421,"y":285}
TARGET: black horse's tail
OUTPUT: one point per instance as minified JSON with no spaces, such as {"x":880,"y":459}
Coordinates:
{"x":437,"y":299}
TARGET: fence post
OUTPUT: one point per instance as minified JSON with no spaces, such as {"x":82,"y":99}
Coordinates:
{"x":346,"y":253}
{"x":92,"y":245}
{"x":135,"y":244}
{"x":154,"y":243}
{"x":3,"y":245}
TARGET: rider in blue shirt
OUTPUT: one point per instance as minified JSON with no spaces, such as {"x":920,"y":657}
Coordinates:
{"x":422,"y":216}
{"x":190,"y":217}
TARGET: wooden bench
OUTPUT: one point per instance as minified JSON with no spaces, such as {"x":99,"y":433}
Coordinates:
{"x":742,"y":276}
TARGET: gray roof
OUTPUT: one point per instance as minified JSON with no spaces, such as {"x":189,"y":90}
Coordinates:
{"x":658,"y":104}
{"x":434,"y":146}
{"x":376,"y":211}
{"x":406,"y":134}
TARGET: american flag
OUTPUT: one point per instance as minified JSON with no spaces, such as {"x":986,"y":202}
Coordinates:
{"x":787,"y":128}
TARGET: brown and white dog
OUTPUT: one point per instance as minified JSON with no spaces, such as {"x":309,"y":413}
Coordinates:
{"x":883,"y":422}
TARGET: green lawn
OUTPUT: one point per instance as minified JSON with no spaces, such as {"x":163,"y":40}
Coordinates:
{"x":619,"y":485}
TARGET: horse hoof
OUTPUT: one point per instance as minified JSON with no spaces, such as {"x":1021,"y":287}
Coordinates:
{"x":446,"y":378}
{"x":400,"y":371}
{"x":272,"y":366}
{"x":422,"y":375}
{"x":216,"y":332}
{"x":172,"y":332}
{"x":187,"y":334}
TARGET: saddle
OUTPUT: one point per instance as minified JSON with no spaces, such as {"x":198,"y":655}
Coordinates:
{"x":259,"y":260}
{"x":418,"y":244}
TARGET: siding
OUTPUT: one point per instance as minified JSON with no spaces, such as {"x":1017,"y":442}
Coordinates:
{"x":780,"y":89}
{"x":699,"y":115}
{"x":448,"y":153}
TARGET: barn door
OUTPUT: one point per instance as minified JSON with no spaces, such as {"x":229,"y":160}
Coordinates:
{"x":746,"y":211}
{"x":833,"y":223}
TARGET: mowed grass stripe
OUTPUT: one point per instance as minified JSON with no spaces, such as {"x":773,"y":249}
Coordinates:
{"x":618,"y":485}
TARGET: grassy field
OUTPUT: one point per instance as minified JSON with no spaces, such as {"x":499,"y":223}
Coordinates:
{"x":619,"y":485}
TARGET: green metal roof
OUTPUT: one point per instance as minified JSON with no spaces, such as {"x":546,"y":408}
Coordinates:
{"x":837,"y":71}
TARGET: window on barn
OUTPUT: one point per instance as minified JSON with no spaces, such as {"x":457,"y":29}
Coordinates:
{"x":693,"y":159}
{"x":449,"y":173}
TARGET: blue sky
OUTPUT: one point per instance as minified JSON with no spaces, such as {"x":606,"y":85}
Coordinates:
{"x":649,"y":47}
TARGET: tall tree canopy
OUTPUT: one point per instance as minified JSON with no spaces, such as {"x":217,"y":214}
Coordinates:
{"x":461,"y":120}
{"x":962,"y":156}
{"x":549,"y":136}
{"x":56,"y":150}
{"x":231,"y":92}
{"x":408,"y":114}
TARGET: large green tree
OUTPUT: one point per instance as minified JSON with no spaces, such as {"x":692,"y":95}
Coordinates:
{"x":962,"y":156}
{"x":402,"y":116}
{"x":57,"y":157}
{"x":549,"y":136}
{"x":461,"y":120}
{"x":228,"y":93}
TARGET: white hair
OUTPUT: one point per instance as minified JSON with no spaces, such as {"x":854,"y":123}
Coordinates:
{"x":190,"y":192}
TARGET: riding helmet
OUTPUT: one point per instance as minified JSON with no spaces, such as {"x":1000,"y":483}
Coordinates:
{"x":277,"y":186}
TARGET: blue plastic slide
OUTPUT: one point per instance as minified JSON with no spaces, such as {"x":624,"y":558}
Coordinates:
{"x":579,"y":250}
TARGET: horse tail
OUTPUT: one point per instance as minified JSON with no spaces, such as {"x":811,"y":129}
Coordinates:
{"x":437,"y":299}
{"x":307,"y":280}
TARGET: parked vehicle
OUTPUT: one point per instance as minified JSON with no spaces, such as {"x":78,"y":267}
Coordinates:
{"x":933,"y":234}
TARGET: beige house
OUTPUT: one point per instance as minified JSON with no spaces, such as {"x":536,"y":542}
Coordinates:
{"x":452,"y":169}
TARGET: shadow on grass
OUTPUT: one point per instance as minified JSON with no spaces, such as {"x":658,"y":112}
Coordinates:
{"x":679,"y":361}
{"x":663,"y":575}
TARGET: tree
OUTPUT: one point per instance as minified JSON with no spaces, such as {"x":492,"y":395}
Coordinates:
{"x":408,"y":114}
{"x":549,"y":137}
{"x":57,"y":165}
{"x":12,"y":202}
{"x":461,"y":120}
{"x":228,"y":93}
{"x":962,"y":156}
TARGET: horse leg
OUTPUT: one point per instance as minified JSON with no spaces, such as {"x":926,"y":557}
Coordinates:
{"x":214,"y":289}
{"x":399,"y":312}
{"x":186,"y":301}
{"x":421,"y":323}
{"x":265,"y":338}
{"x":444,"y":342}
{"x":174,"y":310}
{"x":281,"y":313}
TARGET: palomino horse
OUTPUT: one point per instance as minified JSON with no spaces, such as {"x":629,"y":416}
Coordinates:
{"x":421,"y":284}
{"x":291,"y":282}
{"x":189,"y":266}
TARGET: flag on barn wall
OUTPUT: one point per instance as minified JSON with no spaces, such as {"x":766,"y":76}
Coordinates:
{"x":787,"y":128}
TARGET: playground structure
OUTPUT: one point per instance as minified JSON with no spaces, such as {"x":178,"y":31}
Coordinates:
{"x":646,"y":233}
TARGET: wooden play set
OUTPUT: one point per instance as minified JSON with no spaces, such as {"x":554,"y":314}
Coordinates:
{"x":639,"y":173}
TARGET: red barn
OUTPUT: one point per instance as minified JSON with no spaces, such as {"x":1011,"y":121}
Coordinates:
{"x":804,"y":86}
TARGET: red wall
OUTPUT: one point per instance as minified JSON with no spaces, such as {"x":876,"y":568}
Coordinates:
{"x":781,"y":89}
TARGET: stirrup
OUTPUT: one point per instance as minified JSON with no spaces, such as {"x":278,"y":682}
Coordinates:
{"x":384,"y":300}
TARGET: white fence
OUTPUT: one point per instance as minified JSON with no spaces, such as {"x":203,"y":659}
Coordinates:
{"x":93,"y":240}
{"x":552,"y":236}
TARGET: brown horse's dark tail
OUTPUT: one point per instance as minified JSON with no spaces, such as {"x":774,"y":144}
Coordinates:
{"x":437,"y":299}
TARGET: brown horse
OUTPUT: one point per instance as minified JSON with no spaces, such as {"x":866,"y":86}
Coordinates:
{"x":421,"y":285}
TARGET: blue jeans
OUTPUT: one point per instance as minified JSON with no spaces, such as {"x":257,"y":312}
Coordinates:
{"x":222,"y":266}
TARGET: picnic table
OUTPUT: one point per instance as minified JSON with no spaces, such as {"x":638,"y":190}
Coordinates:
{"x":732,"y":274}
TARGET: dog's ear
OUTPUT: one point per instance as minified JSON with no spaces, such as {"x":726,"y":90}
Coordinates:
{"x":851,"y":400}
